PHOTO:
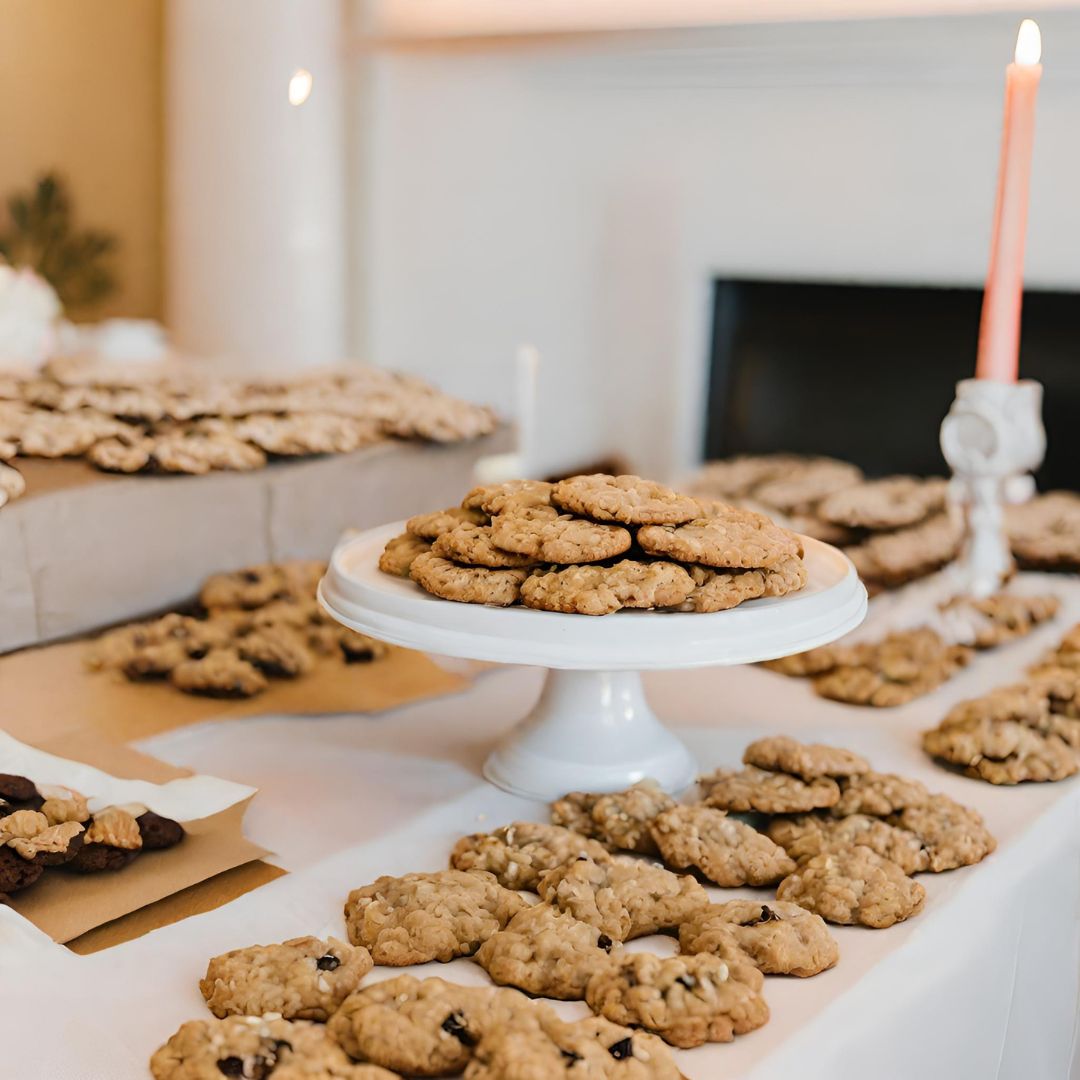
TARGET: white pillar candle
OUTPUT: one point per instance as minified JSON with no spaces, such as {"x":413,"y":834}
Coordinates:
{"x":255,"y":191}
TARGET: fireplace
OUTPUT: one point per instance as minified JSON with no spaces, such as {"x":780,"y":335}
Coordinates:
{"x":866,"y":372}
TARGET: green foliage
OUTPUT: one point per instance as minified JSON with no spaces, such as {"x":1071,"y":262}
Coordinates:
{"x":41,"y":233}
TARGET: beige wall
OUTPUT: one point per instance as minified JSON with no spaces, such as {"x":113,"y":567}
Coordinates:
{"x":80,"y":91}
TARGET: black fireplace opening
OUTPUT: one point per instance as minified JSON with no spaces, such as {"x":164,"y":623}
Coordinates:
{"x":867,"y":372}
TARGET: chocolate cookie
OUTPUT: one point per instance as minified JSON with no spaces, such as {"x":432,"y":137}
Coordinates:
{"x":159,"y":833}
{"x":16,"y":873}
{"x":17,"y":789}
{"x":112,"y":840}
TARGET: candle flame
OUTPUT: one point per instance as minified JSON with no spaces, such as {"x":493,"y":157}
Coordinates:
{"x":1028,"y":43}
{"x":300,"y":86}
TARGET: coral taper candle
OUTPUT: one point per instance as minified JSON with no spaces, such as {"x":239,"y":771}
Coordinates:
{"x":999,"y":330}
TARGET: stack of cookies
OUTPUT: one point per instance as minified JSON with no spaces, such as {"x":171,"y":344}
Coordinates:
{"x":252,"y":625}
{"x":594,"y":545}
{"x":907,"y":664}
{"x":856,"y":835}
{"x":48,"y":827}
{"x":190,"y":419}
{"x":894,"y":529}
{"x":1026,"y":732}
{"x":840,"y":844}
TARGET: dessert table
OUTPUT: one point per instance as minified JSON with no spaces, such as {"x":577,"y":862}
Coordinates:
{"x":984,"y":983}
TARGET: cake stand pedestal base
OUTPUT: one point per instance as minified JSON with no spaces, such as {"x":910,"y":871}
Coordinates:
{"x":590,"y":731}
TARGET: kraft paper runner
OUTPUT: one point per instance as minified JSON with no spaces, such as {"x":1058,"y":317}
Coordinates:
{"x":47,"y":693}
{"x":65,"y":905}
{"x":52,"y":702}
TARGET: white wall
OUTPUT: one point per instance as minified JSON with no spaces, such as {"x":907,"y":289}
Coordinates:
{"x":80,"y":92}
{"x":582,"y":194}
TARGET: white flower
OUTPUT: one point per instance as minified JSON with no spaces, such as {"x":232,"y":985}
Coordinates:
{"x":29,"y":309}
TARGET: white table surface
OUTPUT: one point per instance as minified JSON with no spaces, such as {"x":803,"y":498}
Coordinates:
{"x":983,"y":984}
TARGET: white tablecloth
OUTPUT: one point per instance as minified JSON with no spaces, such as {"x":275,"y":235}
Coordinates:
{"x":983,"y":984}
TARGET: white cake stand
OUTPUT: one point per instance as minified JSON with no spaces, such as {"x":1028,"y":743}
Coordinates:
{"x":592,"y":728}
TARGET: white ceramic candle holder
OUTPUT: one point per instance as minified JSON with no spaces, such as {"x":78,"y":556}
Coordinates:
{"x":992,"y":438}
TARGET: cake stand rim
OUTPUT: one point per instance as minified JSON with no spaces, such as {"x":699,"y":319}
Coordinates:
{"x":394,"y":610}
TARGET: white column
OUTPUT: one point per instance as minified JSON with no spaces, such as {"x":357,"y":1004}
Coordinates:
{"x":255,"y":186}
